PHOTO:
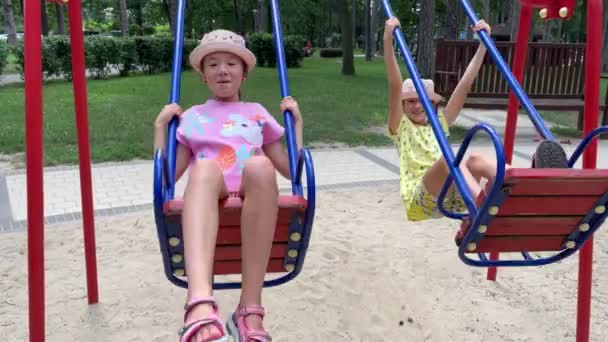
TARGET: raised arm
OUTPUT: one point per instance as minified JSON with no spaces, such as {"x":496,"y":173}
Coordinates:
{"x":393,"y":75}
{"x":456,"y":102}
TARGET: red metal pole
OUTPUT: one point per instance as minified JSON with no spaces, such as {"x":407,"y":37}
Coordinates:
{"x":593,"y":57}
{"x":82,"y":126}
{"x":34,"y":159}
{"x":519,"y":63}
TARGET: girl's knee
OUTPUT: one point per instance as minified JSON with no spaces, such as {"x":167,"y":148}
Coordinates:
{"x":475,"y":160}
{"x":206,"y":171}
{"x":259,"y":169}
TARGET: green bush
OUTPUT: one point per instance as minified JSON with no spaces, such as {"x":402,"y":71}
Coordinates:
{"x":17,"y":50}
{"x":154,"y":54}
{"x":57,"y":57}
{"x":330,"y":52}
{"x":101,"y":54}
{"x":293,"y":50}
{"x":135,"y":30}
{"x":150,"y":54}
{"x":262,"y":46}
{"x":148,"y":30}
{"x":3,"y":55}
{"x":128,"y":55}
{"x":189,"y":45}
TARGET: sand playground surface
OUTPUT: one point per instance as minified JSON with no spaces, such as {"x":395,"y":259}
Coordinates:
{"x":369,"y":275}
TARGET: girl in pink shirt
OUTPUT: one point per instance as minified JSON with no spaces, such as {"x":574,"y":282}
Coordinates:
{"x":231,"y":148}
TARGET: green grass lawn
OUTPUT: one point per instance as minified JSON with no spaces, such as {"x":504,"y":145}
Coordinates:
{"x":335,"y":108}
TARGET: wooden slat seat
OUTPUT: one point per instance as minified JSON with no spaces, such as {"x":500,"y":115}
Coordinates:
{"x":542,"y":208}
{"x":228,"y":245}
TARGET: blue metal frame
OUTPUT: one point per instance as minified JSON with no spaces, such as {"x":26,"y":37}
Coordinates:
{"x":496,"y":195}
{"x":284,"y":85}
{"x":584,"y":143}
{"x":165,"y":164}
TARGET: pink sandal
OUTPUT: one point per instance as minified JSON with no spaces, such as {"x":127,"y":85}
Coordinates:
{"x":189,"y":330}
{"x":238,"y":329}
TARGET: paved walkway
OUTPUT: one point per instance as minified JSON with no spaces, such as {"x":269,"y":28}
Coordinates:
{"x":125,"y":187}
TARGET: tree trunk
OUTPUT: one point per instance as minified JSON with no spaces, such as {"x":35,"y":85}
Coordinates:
{"x":515,"y":9}
{"x":9,"y":22}
{"x":263,"y":15}
{"x":60,"y":20}
{"x":238,"y":17}
{"x":453,"y":23}
{"x":348,"y":63}
{"x":486,"y":10}
{"x":375,"y":15}
{"x":368,"y":31}
{"x":424,"y":57}
{"x":45,"y":19}
{"x":353,"y":13}
{"x":169,"y":10}
{"x":124,"y":27}
{"x":582,"y":31}
{"x":139,"y":13}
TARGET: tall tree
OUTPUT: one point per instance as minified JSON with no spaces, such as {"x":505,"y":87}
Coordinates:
{"x":238,"y":16}
{"x":138,"y":12}
{"x":353,"y":22}
{"x":348,"y":62}
{"x":169,"y":10}
{"x":424,"y":57}
{"x":453,"y":24}
{"x":263,"y":4}
{"x":9,"y":22}
{"x":59,"y":18}
{"x":124,"y":27}
{"x":368,"y":30}
{"x":375,"y":16}
{"x":582,"y":32}
{"x":45,"y":19}
{"x":486,"y":10}
{"x":515,"y":10}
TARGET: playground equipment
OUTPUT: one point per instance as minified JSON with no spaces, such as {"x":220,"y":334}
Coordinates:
{"x":296,"y":213}
{"x":34,"y":154}
{"x":524,"y":210}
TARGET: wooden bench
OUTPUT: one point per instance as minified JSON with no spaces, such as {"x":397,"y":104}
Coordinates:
{"x":554,"y":78}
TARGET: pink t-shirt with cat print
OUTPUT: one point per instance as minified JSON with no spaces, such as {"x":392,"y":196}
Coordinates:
{"x":230,"y":133}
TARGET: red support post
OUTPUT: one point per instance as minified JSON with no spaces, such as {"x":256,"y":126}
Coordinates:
{"x":79,"y":81}
{"x":34,"y":173}
{"x":593,"y":59}
{"x":519,"y":63}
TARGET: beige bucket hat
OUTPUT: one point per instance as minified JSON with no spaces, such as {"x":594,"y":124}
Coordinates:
{"x":408,"y":90}
{"x":222,"y":41}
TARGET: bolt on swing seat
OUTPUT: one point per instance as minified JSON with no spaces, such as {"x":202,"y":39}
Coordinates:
{"x":295,"y":215}
{"x":540,"y":210}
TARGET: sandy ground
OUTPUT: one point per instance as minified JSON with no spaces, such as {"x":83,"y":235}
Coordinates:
{"x":369,"y":276}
